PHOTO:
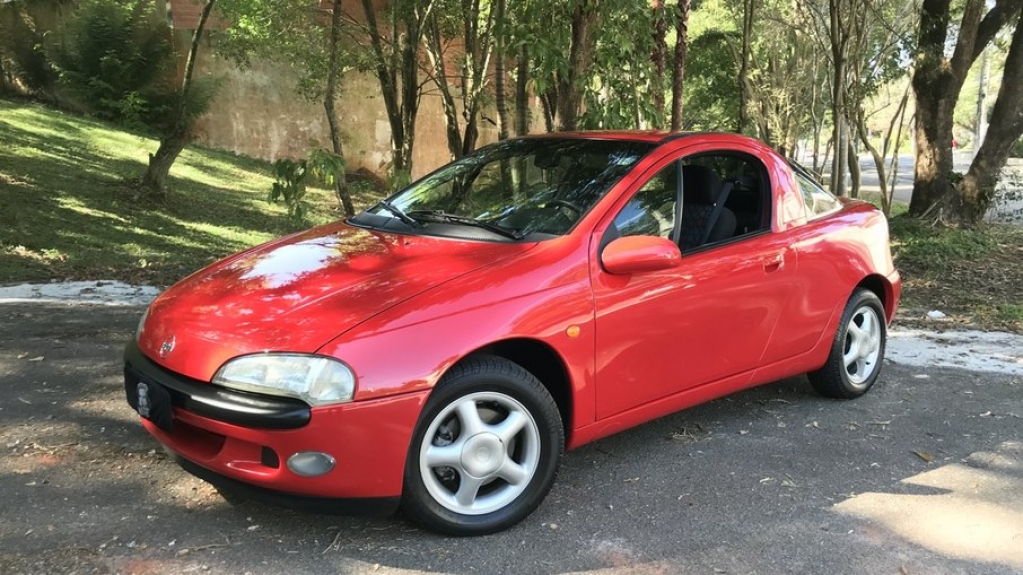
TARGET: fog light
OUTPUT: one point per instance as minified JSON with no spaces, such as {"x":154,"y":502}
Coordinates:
{"x":310,"y":463}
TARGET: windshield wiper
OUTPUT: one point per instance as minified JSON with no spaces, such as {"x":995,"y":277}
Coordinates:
{"x":441,"y":216}
{"x":399,"y":213}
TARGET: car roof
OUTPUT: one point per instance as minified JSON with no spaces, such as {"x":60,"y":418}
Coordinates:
{"x":649,"y":136}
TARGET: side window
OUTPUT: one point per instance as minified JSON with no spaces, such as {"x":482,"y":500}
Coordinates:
{"x":725,"y":195}
{"x":651,"y":211}
{"x":817,"y":201}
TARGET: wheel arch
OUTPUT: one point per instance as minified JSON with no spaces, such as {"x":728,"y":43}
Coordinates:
{"x":541,"y":360}
{"x":884,"y":291}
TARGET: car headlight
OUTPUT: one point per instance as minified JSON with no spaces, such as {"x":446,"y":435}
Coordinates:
{"x":142,"y":325}
{"x":315,"y":379}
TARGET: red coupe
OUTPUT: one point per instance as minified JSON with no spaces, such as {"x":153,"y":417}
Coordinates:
{"x":443,"y":348}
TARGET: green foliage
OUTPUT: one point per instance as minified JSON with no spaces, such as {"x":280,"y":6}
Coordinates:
{"x":21,"y":41}
{"x":321,"y":167}
{"x":618,"y":87}
{"x":284,"y":32}
{"x":922,"y":246}
{"x":711,"y":92}
{"x":112,"y":58}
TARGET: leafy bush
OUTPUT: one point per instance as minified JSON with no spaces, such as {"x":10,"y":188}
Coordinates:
{"x":321,"y":167}
{"x":112,"y":57}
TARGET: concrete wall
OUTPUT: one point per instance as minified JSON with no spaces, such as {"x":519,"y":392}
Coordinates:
{"x":258,"y":113}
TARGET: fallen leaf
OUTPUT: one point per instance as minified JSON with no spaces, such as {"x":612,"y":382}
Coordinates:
{"x":40,"y":358}
{"x":925,"y":456}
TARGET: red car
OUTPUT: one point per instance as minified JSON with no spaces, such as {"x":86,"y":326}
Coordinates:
{"x":441,"y":349}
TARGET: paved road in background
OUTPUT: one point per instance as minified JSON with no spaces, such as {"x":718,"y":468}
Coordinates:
{"x":922,"y":475}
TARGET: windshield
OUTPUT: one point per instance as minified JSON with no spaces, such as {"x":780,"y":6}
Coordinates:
{"x":512,"y":190}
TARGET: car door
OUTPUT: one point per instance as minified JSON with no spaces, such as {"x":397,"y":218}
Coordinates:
{"x":662,"y":332}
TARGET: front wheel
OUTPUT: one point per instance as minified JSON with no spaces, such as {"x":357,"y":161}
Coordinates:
{"x":857,"y":350}
{"x":485,"y":450}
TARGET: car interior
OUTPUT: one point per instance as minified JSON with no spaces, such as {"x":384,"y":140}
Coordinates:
{"x":726,"y":196}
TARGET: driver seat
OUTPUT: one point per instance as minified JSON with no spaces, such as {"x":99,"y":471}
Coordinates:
{"x":703,"y":221}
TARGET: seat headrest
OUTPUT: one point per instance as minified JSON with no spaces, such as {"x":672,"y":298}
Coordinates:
{"x":700,"y":185}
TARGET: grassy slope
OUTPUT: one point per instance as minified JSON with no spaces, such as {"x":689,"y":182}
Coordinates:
{"x":65,"y":212}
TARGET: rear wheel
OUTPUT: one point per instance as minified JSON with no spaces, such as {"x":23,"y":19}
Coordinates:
{"x":857,"y":351}
{"x":485,"y":451}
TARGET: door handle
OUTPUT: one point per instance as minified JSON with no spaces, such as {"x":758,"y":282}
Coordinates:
{"x":774,"y":263}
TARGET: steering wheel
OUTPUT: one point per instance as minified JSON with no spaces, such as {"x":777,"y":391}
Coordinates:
{"x":567,"y":204}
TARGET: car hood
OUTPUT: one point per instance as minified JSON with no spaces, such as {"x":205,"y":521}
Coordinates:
{"x":299,"y":292}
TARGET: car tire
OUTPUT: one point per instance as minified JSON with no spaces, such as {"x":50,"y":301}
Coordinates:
{"x":485,"y":451}
{"x":857,"y":351}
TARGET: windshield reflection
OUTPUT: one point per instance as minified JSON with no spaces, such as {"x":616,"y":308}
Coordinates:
{"x":531,"y":186}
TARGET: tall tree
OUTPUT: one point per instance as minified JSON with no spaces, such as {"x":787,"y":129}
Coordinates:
{"x":395,"y":60}
{"x":658,"y":55}
{"x":153,"y":183}
{"x":974,"y":194}
{"x":334,"y":67}
{"x":745,"y":89}
{"x":475,"y":22}
{"x":678,"y":69}
{"x":580,"y":56}
{"x":937,"y":82}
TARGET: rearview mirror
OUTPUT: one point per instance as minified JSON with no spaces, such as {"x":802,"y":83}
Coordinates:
{"x":633,"y":254}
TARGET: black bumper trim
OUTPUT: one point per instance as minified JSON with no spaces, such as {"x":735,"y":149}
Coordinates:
{"x":358,"y":506}
{"x":208,"y":400}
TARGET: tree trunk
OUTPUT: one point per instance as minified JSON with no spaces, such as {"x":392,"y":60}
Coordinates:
{"x":522,"y":92}
{"x":401,"y":98}
{"x":500,"y":96}
{"x":854,"y":166}
{"x":976,"y":191}
{"x":440,"y":78}
{"x":658,"y":56}
{"x":937,"y":82}
{"x":748,"y":8}
{"x":839,"y":40}
{"x":580,"y":57}
{"x":679,"y":69}
{"x":333,"y":72}
{"x":153,"y":183}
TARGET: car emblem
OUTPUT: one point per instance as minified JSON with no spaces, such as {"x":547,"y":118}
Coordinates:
{"x":167,"y":347}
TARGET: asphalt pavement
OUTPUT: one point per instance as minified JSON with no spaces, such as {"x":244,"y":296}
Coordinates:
{"x":922,"y":475}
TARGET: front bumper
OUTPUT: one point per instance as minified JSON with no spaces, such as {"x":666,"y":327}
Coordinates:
{"x":241,"y":440}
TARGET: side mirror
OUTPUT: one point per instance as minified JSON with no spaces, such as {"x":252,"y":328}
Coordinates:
{"x":633,"y":254}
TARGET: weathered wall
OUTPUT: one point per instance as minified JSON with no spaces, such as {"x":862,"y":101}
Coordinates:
{"x":258,"y":113}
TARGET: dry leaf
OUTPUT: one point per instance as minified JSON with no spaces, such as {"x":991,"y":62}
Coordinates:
{"x":925,"y":456}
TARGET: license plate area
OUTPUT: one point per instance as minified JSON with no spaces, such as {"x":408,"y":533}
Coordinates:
{"x":153,"y":402}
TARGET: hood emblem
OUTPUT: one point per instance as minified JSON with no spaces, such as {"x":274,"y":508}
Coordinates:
{"x":167,"y":347}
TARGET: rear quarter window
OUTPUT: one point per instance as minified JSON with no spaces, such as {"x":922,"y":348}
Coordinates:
{"x":817,"y":201}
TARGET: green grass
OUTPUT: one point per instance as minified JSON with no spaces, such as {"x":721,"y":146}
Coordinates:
{"x":66,"y":213}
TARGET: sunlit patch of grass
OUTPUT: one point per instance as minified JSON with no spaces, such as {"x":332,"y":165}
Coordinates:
{"x":66,"y":210}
